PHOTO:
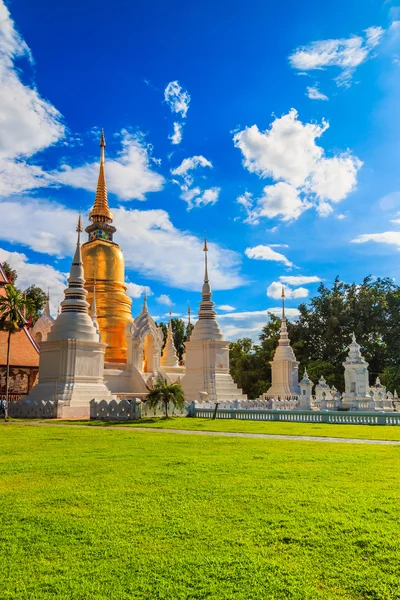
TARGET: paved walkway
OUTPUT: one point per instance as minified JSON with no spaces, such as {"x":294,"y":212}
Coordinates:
{"x":263,"y":436}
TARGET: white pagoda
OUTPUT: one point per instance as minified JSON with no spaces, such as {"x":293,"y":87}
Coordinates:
{"x":71,"y":367}
{"x":207,"y":374}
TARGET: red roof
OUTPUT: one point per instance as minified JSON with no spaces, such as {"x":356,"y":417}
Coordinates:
{"x":23,"y":351}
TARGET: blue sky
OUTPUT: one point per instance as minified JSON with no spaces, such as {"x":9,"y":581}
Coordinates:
{"x":273,"y":126}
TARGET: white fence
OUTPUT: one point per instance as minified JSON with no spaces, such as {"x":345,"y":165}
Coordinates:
{"x":306,"y":416}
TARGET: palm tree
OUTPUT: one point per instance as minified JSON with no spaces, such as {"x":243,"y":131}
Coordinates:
{"x":12,"y":308}
{"x":165,"y":393}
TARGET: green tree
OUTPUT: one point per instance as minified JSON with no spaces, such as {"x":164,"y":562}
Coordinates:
{"x":11,"y":274}
{"x":166,"y":394}
{"x":39,"y":299}
{"x":178,"y":333}
{"x":12,"y":307}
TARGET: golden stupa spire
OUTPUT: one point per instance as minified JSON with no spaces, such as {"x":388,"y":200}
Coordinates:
{"x":100,"y":212}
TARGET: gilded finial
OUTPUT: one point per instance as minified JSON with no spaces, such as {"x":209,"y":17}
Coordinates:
{"x":205,"y":249}
{"x":79,"y":226}
{"x":100,"y":212}
{"x":283,"y":303}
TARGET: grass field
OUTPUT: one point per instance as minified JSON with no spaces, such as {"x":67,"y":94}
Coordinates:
{"x":98,"y":513}
{"x":368,"y":432}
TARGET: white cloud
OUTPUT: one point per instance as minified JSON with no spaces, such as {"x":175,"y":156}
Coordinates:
{"x":345,"y":54}
{"x":266,"y":253}
{"x":287,"y":152}
{"x":314,"y":94}
{"x":188,"y":165}
{"x":177,"y":98}
{"x":176,"y":137}
{"x":299,"y":279}
{"x":136,"y":291}
{"x":43,"y":226}
{"x":28,"y":122}
{"x":42,"y":275}
{"x":387,"y":237}
{"x":196,"y":198}
{"x":237,"y":325}
{"x":275,"y":291}
{"x":164,"y":299}
{"x":164,"y":253}
{"x":129,"y":175}
{"x":225,"y":307}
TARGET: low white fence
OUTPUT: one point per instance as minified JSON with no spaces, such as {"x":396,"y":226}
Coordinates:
{"x":32,"y":409}
{"x":298,"y":416}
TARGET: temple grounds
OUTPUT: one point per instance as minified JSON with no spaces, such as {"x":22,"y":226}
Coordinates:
{"x":99,"y":513}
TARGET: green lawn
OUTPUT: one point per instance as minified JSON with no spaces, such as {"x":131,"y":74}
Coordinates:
{"x":368,"y":432}
{"x":99,"y":513}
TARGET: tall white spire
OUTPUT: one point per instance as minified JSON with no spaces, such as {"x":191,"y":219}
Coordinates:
{"x":169,"y":357}
{"x":46,"y":310}
{"x":145,"y":308}
{"x":74,"y":321}
{"x":206,"y":305}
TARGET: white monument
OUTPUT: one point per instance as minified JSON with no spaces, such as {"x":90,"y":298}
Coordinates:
{"x":207,"y":355}
{"x":356,"y":380}
{"x":41,"y":328}
{"x":285,"y":376}
{"x":306,"y":386}
{"x":71,"y":362}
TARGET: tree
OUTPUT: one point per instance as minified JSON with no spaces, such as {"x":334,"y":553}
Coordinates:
{"x":166,"y":394}
{"x":12,"y":307}
{"x":178,"y":333}
{"x":11,"y":274}
{"x":39,"y":299}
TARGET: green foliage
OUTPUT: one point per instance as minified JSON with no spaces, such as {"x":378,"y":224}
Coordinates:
{"x":166,"y":394}
{"x":390,"y":378}
{"x":11,"y":274}
{"x":39,"y":299}
{"x":100,"y":514}
{"x":12,"y":307}
{"x":321,"y":335}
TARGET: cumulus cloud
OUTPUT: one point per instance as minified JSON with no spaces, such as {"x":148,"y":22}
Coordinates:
{"x":225,"y":307}
{"x":43,"y":275}
{"x":136,"y":291}
{"x":275,"y":291}
{"x":195,"y":197}
{"x":177,"y":98}
{"x":28,"y":123}
{"x":299,"y":279}
{"x":129,"y":175}
{"x":387,"y":237}
{"x":164,"y":299}
{"x":287,"y":152}
{"x":314,"y":94}
{"x":176,"y":137}
{"x":344,"y":54}
{"x":266,"y":253}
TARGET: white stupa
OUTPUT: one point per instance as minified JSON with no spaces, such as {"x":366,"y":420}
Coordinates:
{"x":71,"y":362}
{"x":169,"y":358}
{"x":41,"y":328}
{"x":207,"y":355}
{"x":285,"y":375}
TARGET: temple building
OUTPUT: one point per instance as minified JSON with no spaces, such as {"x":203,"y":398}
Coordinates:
{"x":103,"y":263}
{"x":71,"y":367}
{"x":285,"y":375}
{"x":24,"y":356}
{"x":207,"y":374}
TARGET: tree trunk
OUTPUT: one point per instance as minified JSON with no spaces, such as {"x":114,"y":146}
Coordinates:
{"x":7,"y":375}
{"x":166,"y":409}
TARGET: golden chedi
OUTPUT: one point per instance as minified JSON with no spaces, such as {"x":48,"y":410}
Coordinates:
{"x":104,"y":269}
